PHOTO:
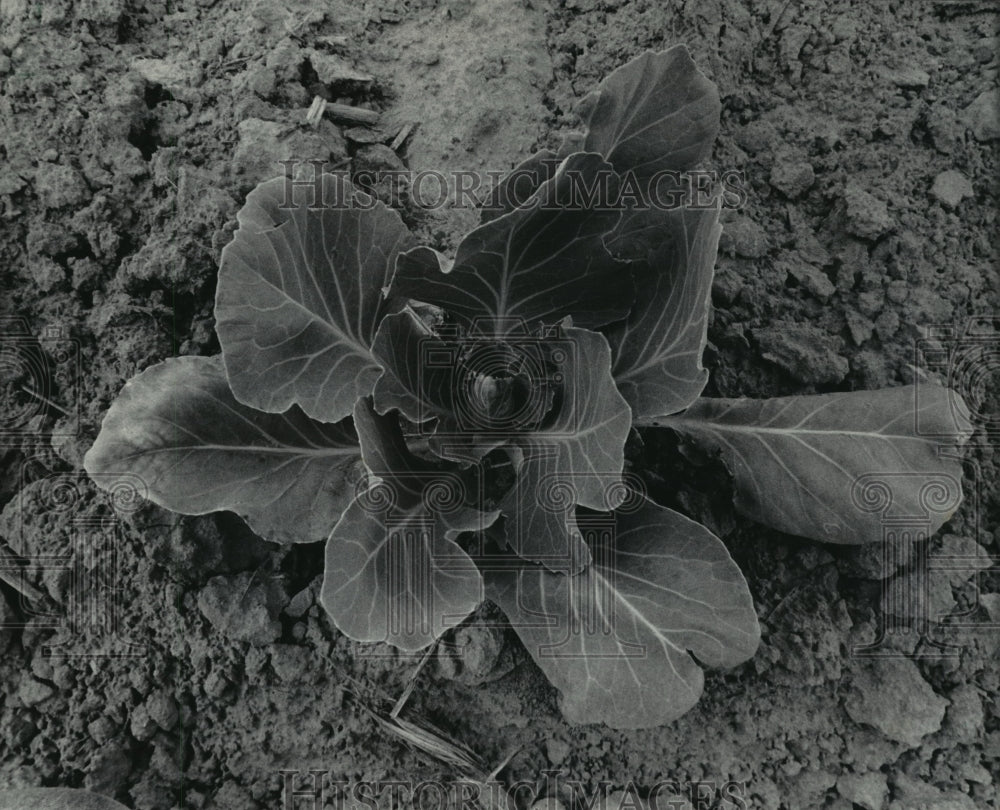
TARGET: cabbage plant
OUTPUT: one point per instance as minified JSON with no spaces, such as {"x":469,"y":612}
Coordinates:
{"x":454,"y":427}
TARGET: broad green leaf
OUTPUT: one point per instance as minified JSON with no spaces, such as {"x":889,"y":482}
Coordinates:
{"x":196,"y":449}
{"x":517,"y":188}
{"x":394,"y":573}
{"x":55,"y":799}
{"x":575,"y":458}
{"x":418,"y":389}
{"x":836,"y":467}
{"x":656,"y":113}
{"x":617,"y":640}
{"x":540,"y":262}
{"x":657,"y":350}
{"x":300,"y":296}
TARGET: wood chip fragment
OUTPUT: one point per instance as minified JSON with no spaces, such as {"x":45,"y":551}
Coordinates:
{"x":316,"y":109}
{"x":333,"y":41}
{"x":404,"y":133}
{"x":346,"y":114}
{"x":367,"y":135}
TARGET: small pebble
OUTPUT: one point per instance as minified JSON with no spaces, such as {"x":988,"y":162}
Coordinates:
{"x":887,"y":324}
{"x":174,"y":76}
{"x":859,"y":326}
{"x":907,"y":77}
{"x":897,"y":291}
{"x":792,"y":178}
{"x":32,"y":692}
{"x":965,"y":718}
{"x":867,"y":216}
{"x":982,"y":116}
{"x":141,"y":724}
{"x":868,"y":790}
{"x":807,"y":353}
{"x":951,"y":187}
{"x":726,"y":286}
{"x":743,"y":237}
{"x":107,"y":771}
{"x":301,"y":602}
{"x":101,"y":730}
{"x":162,"y":710}
{"x":557,"y":750}
{"x":757,"y":136}
{"x":811,"y":279}
{"x":891,"y":695}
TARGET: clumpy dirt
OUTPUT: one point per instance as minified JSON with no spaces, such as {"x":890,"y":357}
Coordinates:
{"x":130,"y":130}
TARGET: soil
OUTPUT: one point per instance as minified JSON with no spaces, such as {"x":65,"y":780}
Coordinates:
{"x":130,"y":131}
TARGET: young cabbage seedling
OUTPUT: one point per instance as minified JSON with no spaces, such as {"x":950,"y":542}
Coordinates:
{"x":370,"y":392}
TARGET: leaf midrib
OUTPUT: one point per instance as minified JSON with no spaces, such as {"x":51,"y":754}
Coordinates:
{"x":343,"y":334}
{"x":237,"y":448}
{"x":705,"y":424}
